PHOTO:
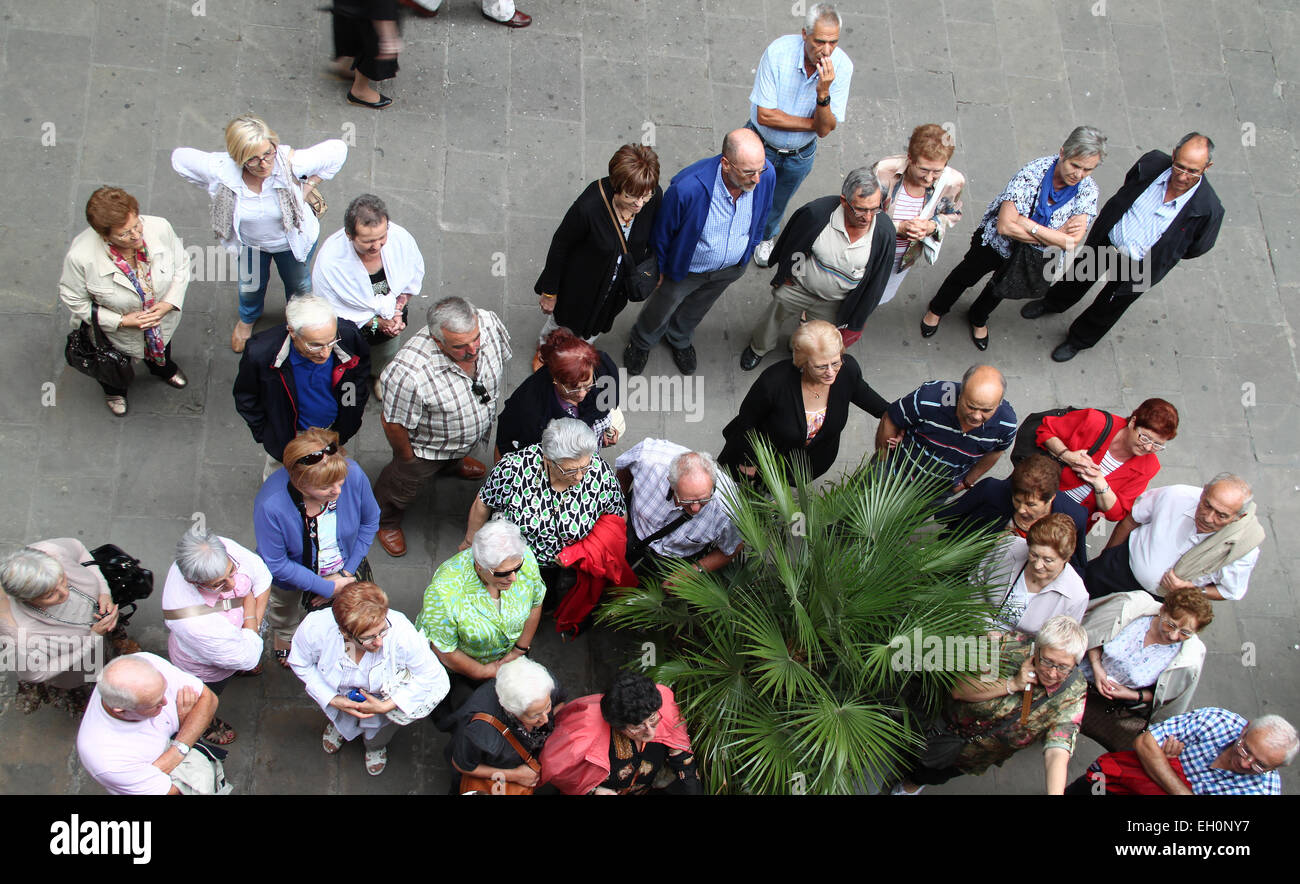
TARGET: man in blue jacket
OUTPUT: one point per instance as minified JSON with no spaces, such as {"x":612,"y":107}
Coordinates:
{"x":706,"y":228}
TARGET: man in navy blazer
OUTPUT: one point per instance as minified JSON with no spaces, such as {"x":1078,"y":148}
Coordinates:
{"x":1165,"y":211}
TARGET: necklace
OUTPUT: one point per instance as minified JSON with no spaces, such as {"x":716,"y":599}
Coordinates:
{"x":816,"y":394}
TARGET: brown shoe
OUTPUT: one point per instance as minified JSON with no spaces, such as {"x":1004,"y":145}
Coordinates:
{"x":178,"y":380}
{"x":471,"y":469}
{"x":393,"y":541}
{"x":239,"y":337}
{"x":519,"y":20}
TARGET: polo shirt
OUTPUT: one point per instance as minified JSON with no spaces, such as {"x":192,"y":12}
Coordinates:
{"x":933,"y":439}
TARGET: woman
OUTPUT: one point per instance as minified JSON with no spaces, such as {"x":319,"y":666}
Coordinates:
{"x":583,"y":285}
{"x":133,"y":269}
{"x":982,"y":724}
{"x":521,"y":701}
{"x":314,"y":519}
{"x":366,"y":44}
{"x":1144,"y":661}
{"x":482,"y":609}
{"x":1049,"y":202}
{"x":368,"y":669}
{"x":618,"y":743}
{"x":1032,"y":578}
{"x":55,"y":613}
{"x":576,"y":380}
{"x":922,"y":196}
{"x":1109,"y":481}
{"x":213,"y":604}
{"x":801,"y":405}
{"x":259,"y":191}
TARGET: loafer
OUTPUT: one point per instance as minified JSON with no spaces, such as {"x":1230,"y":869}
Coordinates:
{"x":1065,"y":352}
{"x":520,"y":20}
{"x":116,"y":404}
{"x":178,"y":380}
{"x":471,"y":469}
{"x":1034,"y":309}
{"x":393,"y":541}
{"x":634,"y":359}
{"x":749,"y":360}
{"x":685,"y":359}
{"x":384,"y":101}
{"x":981,"y":344}
{"x":928,"y":331}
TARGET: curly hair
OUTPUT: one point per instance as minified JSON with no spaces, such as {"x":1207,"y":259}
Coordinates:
{"x":630,"y":700}
{"x":1190,"y":600}
{"x":109,"y":207}
{"x":569,"y":358}
{"x":1038,"y":476}
{"x":324,"y":472}
{"x":1055,"y":530}
{"x":1158,"y":416}
{"x":930,"y":141}
{"x":360,"y":607}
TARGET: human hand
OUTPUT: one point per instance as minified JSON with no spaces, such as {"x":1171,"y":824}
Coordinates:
{"x":547,"y":303}
{"x":601,"y":790}
{"x":132,"y":320}
{"x":611,"y":436}
{"x":748,"y":470}
{"x":825,"y":76}
{"x":523,"y":775}
{"x":186,"y":700}
{"x":1171,"y":581}
{"x":106,"y":622}
{"x":1075,"y":228}
{"x":390,"y":47}
{"x":351,"y":707}
{"x":464,"y":544}
{"x":1103,"y":682}
{"x":1026,"y":677}
{"x":1172,"y":746}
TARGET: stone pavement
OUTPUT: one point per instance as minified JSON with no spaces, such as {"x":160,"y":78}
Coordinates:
{"x":493,"y":133}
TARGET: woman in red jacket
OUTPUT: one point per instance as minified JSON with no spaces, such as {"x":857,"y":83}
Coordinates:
{"x":1109,"y":481}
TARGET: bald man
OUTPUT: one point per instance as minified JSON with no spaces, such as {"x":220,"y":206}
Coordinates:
{"x":707,"y":226}
{"x":954,"y":431}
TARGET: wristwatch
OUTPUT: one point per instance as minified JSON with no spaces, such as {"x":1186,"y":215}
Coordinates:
{"x":180,"y":747}
{"x":824,"y":102}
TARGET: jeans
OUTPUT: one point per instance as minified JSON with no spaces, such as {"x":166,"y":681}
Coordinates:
{"x":790,"y":172}
{"x":255,"y":273}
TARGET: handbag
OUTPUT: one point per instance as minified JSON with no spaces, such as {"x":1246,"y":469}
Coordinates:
{"x":641,"y":281}
{"x":470,"y":785}
{"x":1027,"y":435}
{"x":88,"y":351}
{"x":1023,"y":276}
{"x":128,"y":582}
{"x":314,"y":199}
{"x":363,"y":575}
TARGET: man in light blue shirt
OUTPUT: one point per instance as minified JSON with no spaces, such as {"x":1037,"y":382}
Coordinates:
{"x":801,"y":92}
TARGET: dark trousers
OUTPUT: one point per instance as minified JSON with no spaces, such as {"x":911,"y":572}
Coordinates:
{"x":399,"y":483}
{"x":675,"y":308}
{"x":980,"y":260}
{"x":1110,"y":573}
{"x":1116,"y":296}
{"x":164,"y":371}
{"x":462,"y":688}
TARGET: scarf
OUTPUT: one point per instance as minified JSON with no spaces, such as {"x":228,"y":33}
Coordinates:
{"x":1221,"y":548}
{"x":1050,"y":200}
{"x":154,"y":349}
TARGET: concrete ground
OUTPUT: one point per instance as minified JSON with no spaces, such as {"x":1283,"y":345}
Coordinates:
{"x":492,"y":134}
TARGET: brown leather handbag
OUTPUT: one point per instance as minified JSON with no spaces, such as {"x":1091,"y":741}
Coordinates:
{"x":493,"y":786}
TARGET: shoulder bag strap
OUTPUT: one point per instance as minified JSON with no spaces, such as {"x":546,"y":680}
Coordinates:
{"x":511,"y":739}
{"x":1105,"y":431}
{"x":618,"y":229}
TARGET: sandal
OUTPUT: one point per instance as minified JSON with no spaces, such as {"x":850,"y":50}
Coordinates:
{"x":376,"y":761}
{"x":282,"y":657}
{"x":219,"y":733}
{"x":331,"y":740}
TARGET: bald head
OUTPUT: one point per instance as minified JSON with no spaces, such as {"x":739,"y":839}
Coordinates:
{"x":982,"y":389}
{"x":742,"y":159}
{"x":131,"y":684}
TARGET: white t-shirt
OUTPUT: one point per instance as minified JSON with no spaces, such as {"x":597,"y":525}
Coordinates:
{"x":261,"y":222}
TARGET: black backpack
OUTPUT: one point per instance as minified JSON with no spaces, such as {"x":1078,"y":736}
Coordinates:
{"x":1027,"y":435}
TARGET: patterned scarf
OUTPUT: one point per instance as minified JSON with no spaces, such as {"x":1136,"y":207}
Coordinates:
{"x":223,"y":211}
{"x":154,"y":348}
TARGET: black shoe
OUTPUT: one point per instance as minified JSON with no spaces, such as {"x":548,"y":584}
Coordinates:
{"x":685,"y":359}
{"x":634,"y":358}
{"x":1034,"y":309}
{"x":981,"y":344}
{"x":1065,"y":352}
{"x":749,"y":360}
{"x":928,"y":331}
{"x":384,"y":101}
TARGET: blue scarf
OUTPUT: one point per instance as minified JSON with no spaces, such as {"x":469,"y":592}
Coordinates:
{"x":1050,"y":200}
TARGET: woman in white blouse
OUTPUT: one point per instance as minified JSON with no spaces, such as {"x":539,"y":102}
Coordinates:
{"x":259,"y":191}
{"x":1032,"y":578}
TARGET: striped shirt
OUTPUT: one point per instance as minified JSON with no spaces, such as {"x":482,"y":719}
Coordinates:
{"x":905,"y":207}
{"x":725,"y":235}
{"x":1149,"y":217}
{"x":653,"y":507}
{"x":933,"y":439}
{"x":1107,"y":466}
{"x":782,"y":83}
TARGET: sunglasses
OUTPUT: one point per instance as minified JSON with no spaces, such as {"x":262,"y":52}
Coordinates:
{"x":481,"y":392}
{"x":317,"y":456}
{"x":514,"y":570}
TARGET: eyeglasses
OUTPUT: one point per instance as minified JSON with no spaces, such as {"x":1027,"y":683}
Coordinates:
{"x":866,"y":211}
{"x":1167,"y":623}
{"x":317,"y":456}
{"x":929,"y":173}
{"x":224,"y":580}
{"x":313,"y":347}
{"x":371,"y":639}
{"x":1058,"y":668}
{"x":481,"y":392}
{"x":574,"y":391}
{"x":748,"y":173}
{"x":1151,"y":443}
{"x":701,"y":501}
{"x":828,"y":367}
{"x":131,"y":232}
{"x":569,"y":474}
{"x":1247,"y":755}
{"x":1190,"y":173}
{"x":514,"y":570}
{"x":265,"y":159}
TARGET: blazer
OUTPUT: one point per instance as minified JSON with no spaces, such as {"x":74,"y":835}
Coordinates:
{"x":802,"y":230}
{"x":774,"y":407}
{"x":533,"y":405}
{"x":988,"y":506}
{"x":1079,"y":430}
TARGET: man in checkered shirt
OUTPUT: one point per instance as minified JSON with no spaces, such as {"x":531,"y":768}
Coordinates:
{"x":440,"y":395}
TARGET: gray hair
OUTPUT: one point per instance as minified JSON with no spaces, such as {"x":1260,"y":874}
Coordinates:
{"x":367,"y":210}
{"x":1277,"y":732}
{"x":1209,"y":144}
{"x":29,"y":573}
{"x":308,"y":311}
{"x":965,"y":378}
{"x":566,"y":438}
{"x":1084,"y":141}
{"x":115,"y":682}
{"x":201,"y":558}
{"x":692,"y":462}
{"x":1064,"y":633}
{"x":521,"y":683}
{"x":1233,"y":479}
{"x":497,"y":541}
{"x":860,"y":179}
{"x":821,"y":12}
{"x":453,"y":314}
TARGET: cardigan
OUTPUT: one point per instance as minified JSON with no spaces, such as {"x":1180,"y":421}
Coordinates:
{"x":1066,"y":594}
{"x":1079,"y":430}
{"x":774,"y":407}
{"x":533,"y":405}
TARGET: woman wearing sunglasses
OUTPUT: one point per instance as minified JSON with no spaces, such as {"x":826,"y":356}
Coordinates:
{"x":314,"y":519}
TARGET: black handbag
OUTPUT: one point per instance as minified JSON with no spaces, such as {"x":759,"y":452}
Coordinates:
{"x":640,"y":281}
{"x":89,"y":352}
{"x":128,"y":580}
{"x":1023,"y":276}
{"x":1027,"y":435}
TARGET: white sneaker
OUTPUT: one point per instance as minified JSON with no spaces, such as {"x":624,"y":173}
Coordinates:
{"x":763,"y":252}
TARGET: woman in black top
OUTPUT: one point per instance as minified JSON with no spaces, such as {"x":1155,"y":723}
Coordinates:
{"x":523,"y":698}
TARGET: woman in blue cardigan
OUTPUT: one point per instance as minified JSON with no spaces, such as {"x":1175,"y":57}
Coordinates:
{"x":314,"y":519}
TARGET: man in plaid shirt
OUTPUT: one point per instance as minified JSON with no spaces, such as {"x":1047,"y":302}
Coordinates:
{"x":440,"y":394}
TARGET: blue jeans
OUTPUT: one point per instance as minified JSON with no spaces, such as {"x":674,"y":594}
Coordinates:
{"x":790,"y":172}
{"x":255,"y":273}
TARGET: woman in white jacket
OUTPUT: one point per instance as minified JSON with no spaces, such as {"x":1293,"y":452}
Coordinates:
{"x":260,"y":191}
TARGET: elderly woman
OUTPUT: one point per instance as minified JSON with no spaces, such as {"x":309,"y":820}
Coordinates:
{"x":213,"y":604}
{"x":1049,"y":202}
{"x":922,"y":196}
{"x":576,"y":380}
{"x":801,"y":405}
{"x":1109,"y":481}
{"x":1144,"y":661}
{"x":1032,"y":579}
{"x":555,"y":491}
{"x":984,"y":723}
{"x":368,"y":669}
{"x":513,"y":712}
{"x":261,"y":192}
{"x":619,"y":742}
{"x":128,"y":272}
{"x":314,"y":519}
{"x":55,"y":613}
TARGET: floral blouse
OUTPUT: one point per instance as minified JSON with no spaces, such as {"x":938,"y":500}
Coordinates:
{"x":1126,"y":660}
{"x":1023,"y":191}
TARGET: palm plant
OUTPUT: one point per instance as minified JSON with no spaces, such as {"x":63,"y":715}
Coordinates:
{"x":785,"y":664}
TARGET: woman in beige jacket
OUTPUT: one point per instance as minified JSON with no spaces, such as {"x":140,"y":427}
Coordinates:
{"x":134,"y":268}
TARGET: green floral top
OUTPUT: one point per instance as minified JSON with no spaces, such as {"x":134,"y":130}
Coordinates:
{"x":460,"y":615}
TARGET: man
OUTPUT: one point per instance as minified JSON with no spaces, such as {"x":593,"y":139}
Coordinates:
{"x":948,"y":430}
{"x":678,"y":506}
{"x":313,"y":372}
{"x":1219,"y":751}
{"x":440,"y":394}
{"x":142,"y":722}
{"x":502,"y":12}
{"x":706,"y":227}
{"x":833,"y":262}
{"x":801,"y":92}
{"x":1165,"y":211}
{"x":1180,"y":536}
{"x":367,"y":272}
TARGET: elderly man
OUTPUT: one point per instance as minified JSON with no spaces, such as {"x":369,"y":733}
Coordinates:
{"x":801,"y":93}
{"x":678,"y":500}
{"x":1181,"y":535}
{"x":1165,"y":211}
{"x":141,"y":725}
{"x":368,"y":271}
{"x":312,"y":372}
{"x":1219,"y":752}
{"x":949,"y":430}
{"x":833,"y":262}
{"x":440,"y":394}
{"x":705,"y":230}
